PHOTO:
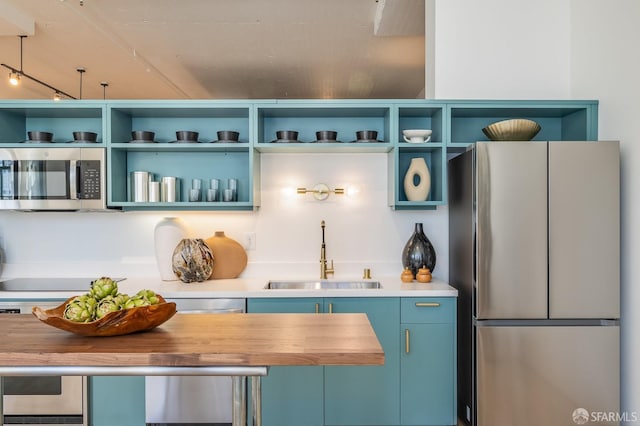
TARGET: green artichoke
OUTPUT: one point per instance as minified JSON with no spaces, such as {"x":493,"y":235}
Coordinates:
{"x":121,"y":299}
{"x":136,"y":301}
{"x":103,"y":287}
{"x":102,"y":298}
{"x":106,"y":305}
{"x":149,"y":295}
{"x":81,"y":309}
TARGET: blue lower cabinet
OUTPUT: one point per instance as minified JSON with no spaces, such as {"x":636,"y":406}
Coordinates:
{"x":344,"y":395}
{"x":116,"y":401}
{"x":428,"y":362}
{"x":291,"y":396}
{"x":366,"y":395}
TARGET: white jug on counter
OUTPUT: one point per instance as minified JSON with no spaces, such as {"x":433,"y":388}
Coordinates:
{"x":167,"y":234}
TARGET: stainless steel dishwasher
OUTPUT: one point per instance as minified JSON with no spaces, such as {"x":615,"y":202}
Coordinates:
{"x":182,"y":400}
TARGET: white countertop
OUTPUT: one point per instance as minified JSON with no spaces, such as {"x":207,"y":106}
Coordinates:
{"x":251,"y":287}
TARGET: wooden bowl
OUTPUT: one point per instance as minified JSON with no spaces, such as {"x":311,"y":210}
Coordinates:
{"x":117,"y":323}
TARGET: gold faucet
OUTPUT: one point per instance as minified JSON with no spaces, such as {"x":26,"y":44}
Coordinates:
{"x":324,"y":270}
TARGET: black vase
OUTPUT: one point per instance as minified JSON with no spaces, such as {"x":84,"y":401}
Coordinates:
{"x":418,"y":252}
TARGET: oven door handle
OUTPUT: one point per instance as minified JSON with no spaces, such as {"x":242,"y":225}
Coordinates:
{"x":73,"y":182}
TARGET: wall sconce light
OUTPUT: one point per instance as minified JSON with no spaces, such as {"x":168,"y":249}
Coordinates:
{"x":321,"y":191}
{"x":56,"y":96}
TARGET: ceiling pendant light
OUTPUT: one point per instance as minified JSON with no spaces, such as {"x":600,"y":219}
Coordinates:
{"x":15,"y":75}
{"x":104,"y":85}
{"x":81,"y":71}
{"x":14,"y":78}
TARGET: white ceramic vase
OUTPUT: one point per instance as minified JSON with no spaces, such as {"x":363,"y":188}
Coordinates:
{"x":420,"y":191}
{"x":166,"y":235}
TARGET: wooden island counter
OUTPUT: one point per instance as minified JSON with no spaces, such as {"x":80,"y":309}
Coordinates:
{"x":237,"y":345}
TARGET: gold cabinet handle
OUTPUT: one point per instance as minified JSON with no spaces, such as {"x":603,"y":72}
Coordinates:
{"x":427,"y":304}
{"x":330,"y":308}
{"x":317,"y":308}
{"x":406,"y":341}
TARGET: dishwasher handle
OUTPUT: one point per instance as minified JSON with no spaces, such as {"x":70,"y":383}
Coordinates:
{"x":212,"y":311}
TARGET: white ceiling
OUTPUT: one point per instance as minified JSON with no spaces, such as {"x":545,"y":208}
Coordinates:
{"x":202,"y":49}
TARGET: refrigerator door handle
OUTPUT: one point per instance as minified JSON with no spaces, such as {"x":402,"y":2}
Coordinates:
{"x":475,"y":257}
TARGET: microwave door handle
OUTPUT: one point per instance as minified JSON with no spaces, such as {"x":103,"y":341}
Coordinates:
{"x":73,"y":179}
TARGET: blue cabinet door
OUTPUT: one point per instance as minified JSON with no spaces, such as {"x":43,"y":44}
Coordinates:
{"x":117,"y":401}
{"x":428,"y":361}
{"x":427,"y":375}
{"x":366,"y":395}
{"x":291,"y":396}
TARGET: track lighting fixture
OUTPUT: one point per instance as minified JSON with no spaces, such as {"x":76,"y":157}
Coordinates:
{"x":104,"y":85}
{"x":15,"y":75}
{"x":81,"y":71}
{"x":14,"y":78}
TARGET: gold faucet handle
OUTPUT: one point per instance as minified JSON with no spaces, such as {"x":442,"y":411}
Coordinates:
{"x":330,"y":269}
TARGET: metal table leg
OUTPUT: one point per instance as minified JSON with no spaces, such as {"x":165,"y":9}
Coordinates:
{"x":239,"y":392}
{"x":1,"y":400}
{"x":256,"y":400}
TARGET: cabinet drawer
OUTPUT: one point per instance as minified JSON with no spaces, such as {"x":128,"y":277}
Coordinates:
{"x":428,"y":310}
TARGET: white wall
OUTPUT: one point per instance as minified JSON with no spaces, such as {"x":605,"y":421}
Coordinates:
{"x":582,"y":49}
{"x":605,"y":65}
{"x":361,"y":232}
{"x":502,"y":49}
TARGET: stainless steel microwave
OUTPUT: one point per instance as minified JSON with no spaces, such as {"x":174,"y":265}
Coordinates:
{"x":56,"y":178}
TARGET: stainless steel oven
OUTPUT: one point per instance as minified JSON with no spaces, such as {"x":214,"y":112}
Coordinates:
{"x":43,"y":400}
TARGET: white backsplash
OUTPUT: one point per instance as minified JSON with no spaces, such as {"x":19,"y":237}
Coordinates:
{"x":361,"y":231}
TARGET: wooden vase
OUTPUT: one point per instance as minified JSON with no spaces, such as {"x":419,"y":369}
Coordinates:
{"x":230,"y":257}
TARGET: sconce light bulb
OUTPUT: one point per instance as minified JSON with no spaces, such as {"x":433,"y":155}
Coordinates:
{"x":352,"y":191}
{"x":56,"y":96}
{"x":288,"y":192}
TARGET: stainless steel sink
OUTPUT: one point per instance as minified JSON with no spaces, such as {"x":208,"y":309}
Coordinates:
{"x":322,"y":285}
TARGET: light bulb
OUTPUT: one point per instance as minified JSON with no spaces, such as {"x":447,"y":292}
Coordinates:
{"x":352,"y":191}
{"x":14,"y":78}
{"x":56,"y":96}
{"x":288,"y":192}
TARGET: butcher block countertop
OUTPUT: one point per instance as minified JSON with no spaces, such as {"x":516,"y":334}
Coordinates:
{"x":192,"y":340}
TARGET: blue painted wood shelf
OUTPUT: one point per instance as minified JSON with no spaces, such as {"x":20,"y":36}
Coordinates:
{"x":455,"y":124}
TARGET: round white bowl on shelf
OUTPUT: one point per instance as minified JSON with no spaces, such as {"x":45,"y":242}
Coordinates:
{"x":417,"y":135}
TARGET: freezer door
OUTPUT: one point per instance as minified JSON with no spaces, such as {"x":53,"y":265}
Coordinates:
{"x":511,"y":230}
{"x":584,"y":230}
{"x":532,"y":376}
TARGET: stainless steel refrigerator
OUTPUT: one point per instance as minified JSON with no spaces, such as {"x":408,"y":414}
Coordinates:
{"x":534,"y":253}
